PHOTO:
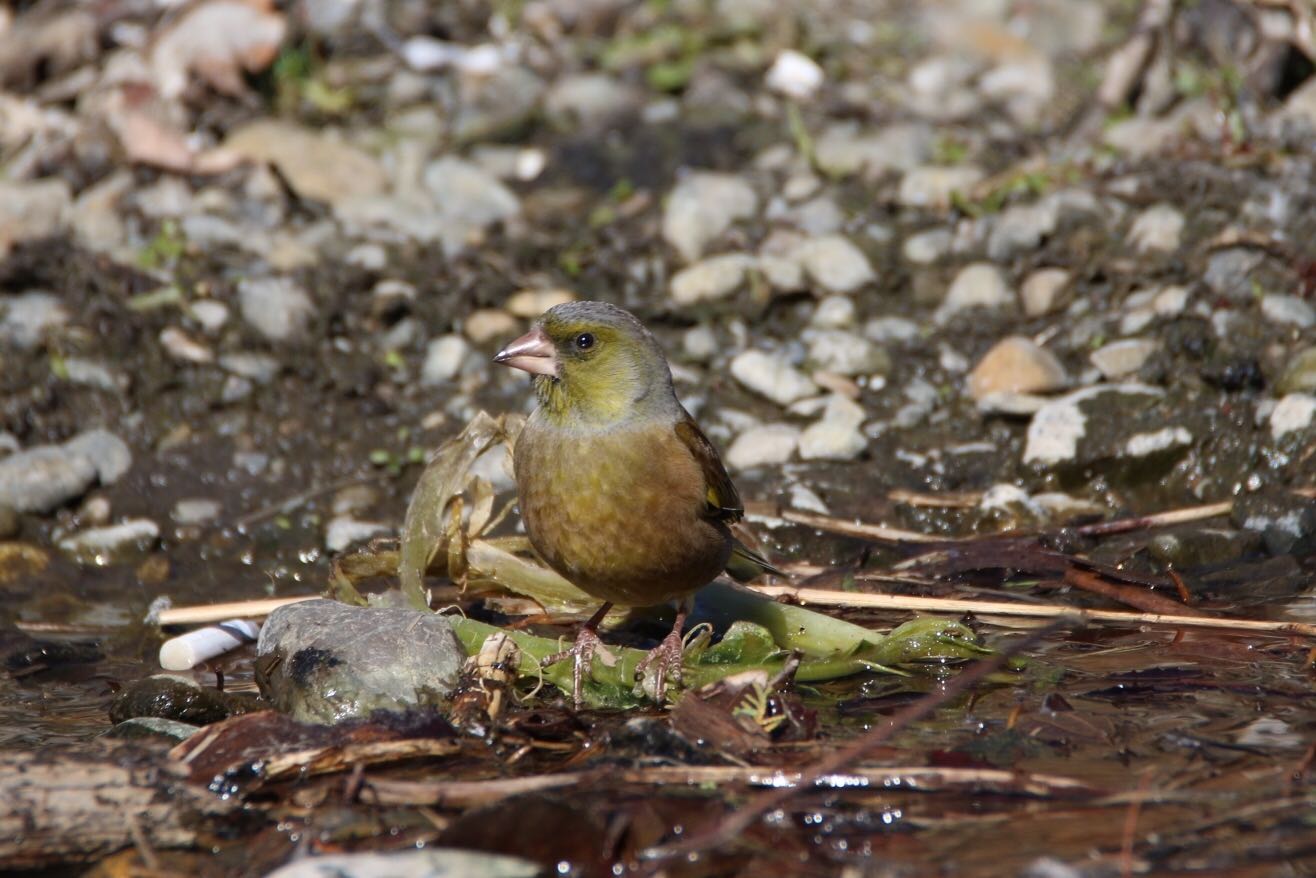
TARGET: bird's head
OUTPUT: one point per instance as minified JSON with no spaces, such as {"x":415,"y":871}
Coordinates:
{"x":593,"y":363}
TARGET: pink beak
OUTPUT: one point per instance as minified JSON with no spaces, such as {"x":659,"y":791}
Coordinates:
{"x":532,"y":352}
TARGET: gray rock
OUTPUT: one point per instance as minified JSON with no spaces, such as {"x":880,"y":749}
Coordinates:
{"x":834,"y":312}
{"x":1288,"y":310}
{"x":91,"y":373}
{"x":210,"y":314}
{"x":1064,"y":431}
{"x":891,"y":329}
{"x":819,"y":216}
{"x":834,"y":263}
{"x":1229,"y":273}
{"x":928,"y":247}
{"x":43,"y":478}
{"x":494,"y":103}
{"x":431,"y":862}
{"x":770,"y":375}
{"x":444,"y":358}
{"x":275,"y":307}
{"x":467,"y":200}
{"x":315,"y":165}
{"x":1021,"y":229}
{"x":765,"y":445}
{"x":1286,"y":522}
{"x":25,"y":318}
{"x":701,"y":207}
{"x":105,"y":545}
{"x":109,"y":454}
{"x":142,"y":728}
{"x":339,"y":661}
{"x":260,"y":368}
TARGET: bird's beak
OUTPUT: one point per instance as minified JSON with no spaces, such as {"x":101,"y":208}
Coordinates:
{"x":532,"y":352}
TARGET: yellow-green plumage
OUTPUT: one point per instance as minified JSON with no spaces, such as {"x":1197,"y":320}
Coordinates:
{"x":619,"y":490}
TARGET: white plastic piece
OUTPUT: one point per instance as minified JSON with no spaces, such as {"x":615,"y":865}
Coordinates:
{"x":188,"y":650}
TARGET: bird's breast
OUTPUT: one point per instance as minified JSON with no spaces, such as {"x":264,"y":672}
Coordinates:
{"x":619,"y":513}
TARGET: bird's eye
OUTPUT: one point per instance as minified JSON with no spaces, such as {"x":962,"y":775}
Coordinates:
{"x":585,"y":341}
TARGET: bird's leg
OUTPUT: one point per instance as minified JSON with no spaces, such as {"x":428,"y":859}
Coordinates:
{"x":667,"y":656}
{"x":581,"y":652}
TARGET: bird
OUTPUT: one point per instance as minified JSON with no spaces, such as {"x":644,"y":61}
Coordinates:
{"x":619,"y":490}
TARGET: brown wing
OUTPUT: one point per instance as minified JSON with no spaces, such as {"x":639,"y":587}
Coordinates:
{"x":723,"y":499}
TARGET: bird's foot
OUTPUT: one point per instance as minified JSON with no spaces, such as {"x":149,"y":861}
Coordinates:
{"x":666,"y":660}
{"x":582,"y":654}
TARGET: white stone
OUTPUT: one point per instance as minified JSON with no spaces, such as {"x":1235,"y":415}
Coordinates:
{"x":1055,"y":430}
{"x":889,"y":329}
{"x":1120,"y":359}
{"x":343,"y":531}
{"x":835,"y":264}
{"x":444,"y":357}
{"x":195,"y":511}
{"x":181,"y":346}
{"x":701,"y":207}
{"x":101,"y":543}
{"x":1292,"y":413}
{"x":843,"y":150}
{"x":25,"y":318}
{"x":765,"y":445}
{"x":845,"y":353}
{"x":1289,"y":310}
{"x":531,"y":303}
{"x":1143,"y":444}
{"x":491,"y":324}
{"x":794,"y":75}
{"x":1003,"y":496}
{"x":837,"y":435}
{"x":275,"y":306}
{"x":210,"y":314}
{"x":1041,"y":290}
{"x":771,"y":376}
{"x":1157,"y":229}
{"x":980,"y":285}
{"x":710,"y":279}
{"x":700,"y":343}
{"x":931,"y":186}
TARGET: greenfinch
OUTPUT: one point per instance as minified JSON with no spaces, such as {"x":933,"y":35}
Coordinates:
{"x":619,"y":490}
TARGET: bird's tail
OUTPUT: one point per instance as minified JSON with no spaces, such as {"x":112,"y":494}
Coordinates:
{"x":746,"y":564}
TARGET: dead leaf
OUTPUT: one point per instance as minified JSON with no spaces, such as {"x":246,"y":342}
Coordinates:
{"x":217,"y":41}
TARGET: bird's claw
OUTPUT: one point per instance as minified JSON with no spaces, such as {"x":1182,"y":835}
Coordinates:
{"x":582,"y":654}
{"x":666,"y":659}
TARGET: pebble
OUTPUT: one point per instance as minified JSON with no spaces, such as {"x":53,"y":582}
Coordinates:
{"x":444,"y":357}
{"x":1021,"y":229}
{"x":110,"y":455}
{"x":1288,"y":310}
{"x":484,"y":325}
{"x":837,"y":435}
{"x":589,"y":100}
{"x":1016,"y":365}
{"x":181,"y":346}
{"x":710,"y":279}
{"x":260,"y":368}
{"x":928,"y":247}
{"x":104,"y":545}
{"x":1229,"y":273}
{"x":980,"y":285}
{"x":25,"y":318}
{"x":43,"y":478}
{"x":1292,"y":414}
{"x":315,"y":165}
{"x":1145,"y":444}
{"x":1042,"y":291}
{"x":32,"y":210}
{"x":834,"y":312}
{"x":794,"y":75}
{"x":92,"y":373}
{"x":351,"y":661}
{"x":931,"y":186}
{"x":198,"y":510}
{"x":467,"y":201}
{"x":844,"y":149}
{"x":433,"y":862}
{"x":891,"y":329}
{"x":1157,"y":229}
{"x":834,"y":263}
{"x":343,"y":531}
{"x":769,"y":375}
{"x":845,"y":353}
{"x":1120,"y":359}
{"x":1300,"y":373}
{"x":701,"y":207}
{"x":700,"y":343}
{"x":819,"y":216}
{"x":764,"y":445}
{"x":529,"y":304}
{"x":275,"y":307}
{"x":1055,"y":430}
{"x":210,"y":314}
